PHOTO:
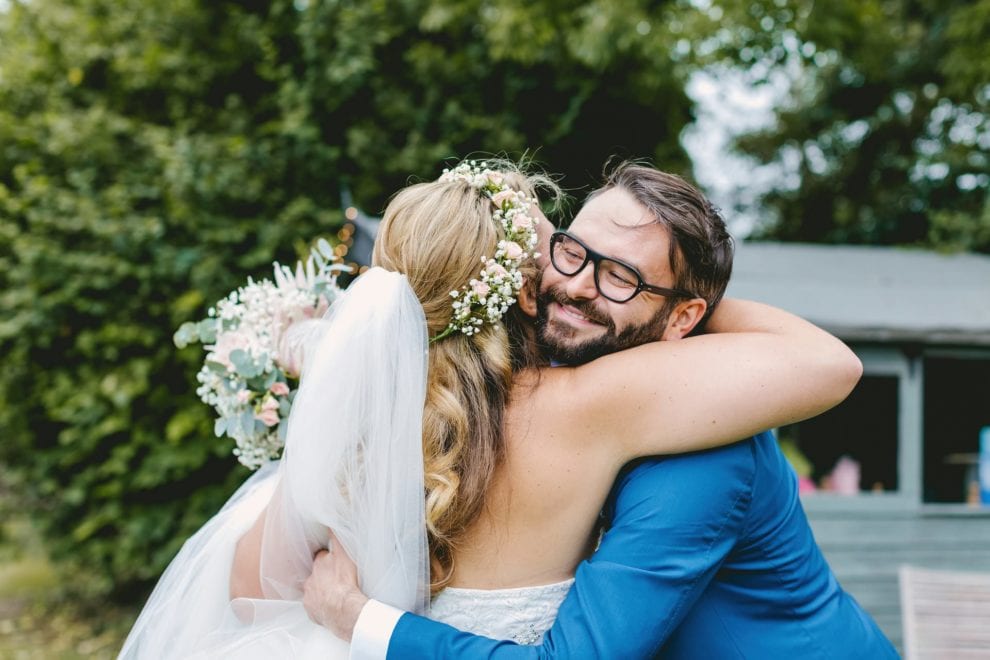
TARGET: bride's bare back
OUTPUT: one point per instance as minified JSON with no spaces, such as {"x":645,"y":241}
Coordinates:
{"x":542,"y":505}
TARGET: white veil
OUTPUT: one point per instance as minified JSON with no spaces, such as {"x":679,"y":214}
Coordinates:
{"x":353,"y":463}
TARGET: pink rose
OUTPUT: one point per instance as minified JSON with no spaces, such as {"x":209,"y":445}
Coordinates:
{"x":289,"y":351}
{"x":495,"y":177}
{"x":512,"y":250}
{"x":267,"y":417}
{"x":480,"y":288}
{"x":496,"y":270}
{"x":322,"y":305}
{"x":227,"y":344}
{"x":522,"y":221}
{"x":501,"y":197}
{"x":243,"y":396}
{"x":279,"y":389}
{"x":269,"y":403}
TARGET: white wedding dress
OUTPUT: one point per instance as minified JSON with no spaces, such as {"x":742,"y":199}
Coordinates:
{"x":522,"y":615}
{"x":352,"y":463}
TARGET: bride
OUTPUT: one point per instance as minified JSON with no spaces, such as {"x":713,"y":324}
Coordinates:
{"x":434,"y":445}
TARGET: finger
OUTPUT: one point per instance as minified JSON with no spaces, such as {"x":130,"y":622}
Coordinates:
{"x":334,"y":543}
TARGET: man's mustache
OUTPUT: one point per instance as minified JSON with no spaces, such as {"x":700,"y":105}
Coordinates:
{"x":586,"y":308}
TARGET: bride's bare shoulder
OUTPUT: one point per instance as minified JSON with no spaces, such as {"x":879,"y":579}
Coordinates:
{"x":555,"y":399}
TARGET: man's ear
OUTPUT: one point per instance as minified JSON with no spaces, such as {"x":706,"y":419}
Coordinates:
{"x":684,"y":318}
{"x":527,"y":298}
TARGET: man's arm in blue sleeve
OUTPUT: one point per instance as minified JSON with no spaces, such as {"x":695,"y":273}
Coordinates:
{"x":675,"y":521}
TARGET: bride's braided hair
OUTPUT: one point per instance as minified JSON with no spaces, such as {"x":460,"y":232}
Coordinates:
{"x":435,"y":233}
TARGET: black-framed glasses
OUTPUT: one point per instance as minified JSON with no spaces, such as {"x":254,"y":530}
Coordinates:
{"x":615,"y":280}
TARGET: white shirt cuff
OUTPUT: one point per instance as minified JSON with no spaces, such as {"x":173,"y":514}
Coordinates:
{"x":373,"y":630}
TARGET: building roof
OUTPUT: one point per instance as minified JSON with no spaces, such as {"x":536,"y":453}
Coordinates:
{"x":863,"y":293}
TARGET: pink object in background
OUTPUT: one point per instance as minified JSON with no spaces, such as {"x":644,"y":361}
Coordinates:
{"x":845,"y":477}
{"x":806,"y":485}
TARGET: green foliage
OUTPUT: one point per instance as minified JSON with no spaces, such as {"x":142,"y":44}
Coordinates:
{"x":887,"y":121}
{"x":153,"y":153}
{"x":144,"y":170}
{"x":400,"y":86}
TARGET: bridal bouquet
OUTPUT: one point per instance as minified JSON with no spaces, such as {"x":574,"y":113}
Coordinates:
{"x":248,"y":375}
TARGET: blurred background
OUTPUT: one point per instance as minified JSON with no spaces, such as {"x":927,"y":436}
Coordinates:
{"x":154,"y":153}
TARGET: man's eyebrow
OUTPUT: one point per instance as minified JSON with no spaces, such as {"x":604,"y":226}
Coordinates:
{"x":649,"y":222}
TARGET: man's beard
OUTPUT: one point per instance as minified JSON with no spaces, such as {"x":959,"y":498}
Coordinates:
{"x":560,"y":350}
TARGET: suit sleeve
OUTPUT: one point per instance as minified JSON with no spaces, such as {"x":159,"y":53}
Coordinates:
{"x":675,"y":521}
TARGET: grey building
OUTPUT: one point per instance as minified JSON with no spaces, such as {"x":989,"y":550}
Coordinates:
{"x":920,"y":322}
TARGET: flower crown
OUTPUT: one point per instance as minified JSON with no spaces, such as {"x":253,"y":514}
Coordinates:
{"x":489,"y":297}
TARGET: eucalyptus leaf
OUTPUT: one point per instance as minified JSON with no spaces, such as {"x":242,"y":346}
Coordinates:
{"x":185,"y":335}
{"x":245,"y":422}
{"x":217,"y":367}
{"x":244,"y":364}
{"x":233,"y":426}
{"x":207,"y":331}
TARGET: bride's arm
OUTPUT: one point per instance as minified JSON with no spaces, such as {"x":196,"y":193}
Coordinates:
{"x":294,"y":345}
{"x":759,"y":368}
{"x":245,"y":574}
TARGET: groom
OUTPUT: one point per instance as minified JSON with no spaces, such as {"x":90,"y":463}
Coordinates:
{"x":705,"y":555}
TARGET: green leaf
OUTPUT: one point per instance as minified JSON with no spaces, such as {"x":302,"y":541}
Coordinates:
{"x":244,"y":364}
{"x":217,"y":367}
{"x":270,"y":379}
{"x":246,"y":421}
{"x":207,"y":331}
{"x":185,"y":335}
{"x":257,"y":383}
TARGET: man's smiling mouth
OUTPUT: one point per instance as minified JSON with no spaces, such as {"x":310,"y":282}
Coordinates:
{"x":574,"y":314}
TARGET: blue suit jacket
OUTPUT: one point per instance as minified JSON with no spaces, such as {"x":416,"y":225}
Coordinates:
{"x":709,"y":555}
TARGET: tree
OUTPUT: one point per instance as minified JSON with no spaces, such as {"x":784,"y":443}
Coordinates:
{"x":400,"y":86}
{"x":885,"y":124}
{"x":145,"y":168}
{"x":153,"y":153}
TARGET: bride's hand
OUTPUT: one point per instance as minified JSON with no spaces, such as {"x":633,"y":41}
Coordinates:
{"x":331,"y":594}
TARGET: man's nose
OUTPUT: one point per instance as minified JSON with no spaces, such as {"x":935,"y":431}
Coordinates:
{"x":581,"y":285}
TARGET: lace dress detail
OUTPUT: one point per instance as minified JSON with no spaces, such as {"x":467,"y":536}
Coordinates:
{"x":522,"y":615}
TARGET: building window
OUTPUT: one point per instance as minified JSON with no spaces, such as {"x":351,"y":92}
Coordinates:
{"x":852,"y":447}
{"x":957,"y":406}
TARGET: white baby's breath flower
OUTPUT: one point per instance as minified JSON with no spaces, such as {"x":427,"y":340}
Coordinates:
{"x":489,"y":298}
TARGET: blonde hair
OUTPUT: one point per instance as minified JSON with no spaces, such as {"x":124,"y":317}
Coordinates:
{"x":436,"y":233}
